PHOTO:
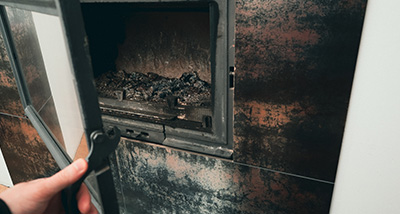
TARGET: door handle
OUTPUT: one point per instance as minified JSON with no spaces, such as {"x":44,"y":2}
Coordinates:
{"x":102,"y":144}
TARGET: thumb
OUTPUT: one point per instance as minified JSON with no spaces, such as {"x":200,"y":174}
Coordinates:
{"x":65,"y":177}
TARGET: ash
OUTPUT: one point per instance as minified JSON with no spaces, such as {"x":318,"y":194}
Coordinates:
{"x":188,"y":90}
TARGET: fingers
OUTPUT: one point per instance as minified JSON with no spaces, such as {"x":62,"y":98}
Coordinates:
{"x":65,"y":177}
{"x":84,"y":203}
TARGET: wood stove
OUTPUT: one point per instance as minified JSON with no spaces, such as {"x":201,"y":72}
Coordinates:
{"x":164,"y":70}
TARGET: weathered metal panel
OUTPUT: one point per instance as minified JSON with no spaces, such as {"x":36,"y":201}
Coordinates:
{"x":295,"y":62}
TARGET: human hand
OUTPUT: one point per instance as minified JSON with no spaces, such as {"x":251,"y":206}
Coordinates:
{"x":44,"y":195}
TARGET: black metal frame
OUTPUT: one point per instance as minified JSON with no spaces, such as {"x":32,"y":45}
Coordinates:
{"x":220,"y":141}
{"x":100,"y":143}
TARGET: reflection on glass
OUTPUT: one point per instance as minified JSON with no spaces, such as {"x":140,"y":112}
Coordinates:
{"x":43,"y":58}
{"x":29,"y":55}
{"x":9,"y":102}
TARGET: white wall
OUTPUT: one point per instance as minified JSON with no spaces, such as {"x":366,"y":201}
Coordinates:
{"x":5,"y":178}
{"x":368,"y":178}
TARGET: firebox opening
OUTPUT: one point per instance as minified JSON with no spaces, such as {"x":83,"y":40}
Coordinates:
{"x":155,"y":59}
{"x":162,"y":70}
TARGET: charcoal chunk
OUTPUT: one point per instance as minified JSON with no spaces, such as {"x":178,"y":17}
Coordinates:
{"x":188,"y":90}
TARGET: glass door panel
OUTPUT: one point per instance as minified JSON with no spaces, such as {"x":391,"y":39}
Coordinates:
{"x":43,"y":59}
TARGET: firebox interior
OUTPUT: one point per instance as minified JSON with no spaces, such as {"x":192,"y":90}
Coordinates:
{"x":155,"y":54}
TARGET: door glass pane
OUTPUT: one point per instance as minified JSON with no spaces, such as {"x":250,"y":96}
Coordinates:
{"x":45,"y":65}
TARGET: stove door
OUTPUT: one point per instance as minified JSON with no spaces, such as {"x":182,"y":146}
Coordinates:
{"x":46,"y":45}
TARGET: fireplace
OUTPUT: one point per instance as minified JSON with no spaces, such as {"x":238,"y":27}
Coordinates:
{"x":164,"y":70}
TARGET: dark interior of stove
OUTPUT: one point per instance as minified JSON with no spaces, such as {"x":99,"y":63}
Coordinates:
{"x":154,"y":62}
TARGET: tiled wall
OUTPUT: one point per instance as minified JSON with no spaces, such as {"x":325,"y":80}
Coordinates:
{"x":295,"y":63}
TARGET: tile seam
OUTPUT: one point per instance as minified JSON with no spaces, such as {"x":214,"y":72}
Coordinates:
{"x":287,"y":173}
{"x":12,"y":115}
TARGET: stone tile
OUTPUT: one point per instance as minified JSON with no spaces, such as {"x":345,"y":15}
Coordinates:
{"x":25,"y":153}
{"x":295,"y":63}
{"x":156,"y":179}
{"x":10,"y":102}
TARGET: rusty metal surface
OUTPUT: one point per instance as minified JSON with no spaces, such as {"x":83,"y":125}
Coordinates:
{"x":295,"y":62}
{"x":156,"y":179}
{"x":26,"y":155}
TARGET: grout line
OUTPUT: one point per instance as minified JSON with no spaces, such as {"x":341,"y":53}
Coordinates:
{"x":287,"y":173}
{"x":12,"y":115}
